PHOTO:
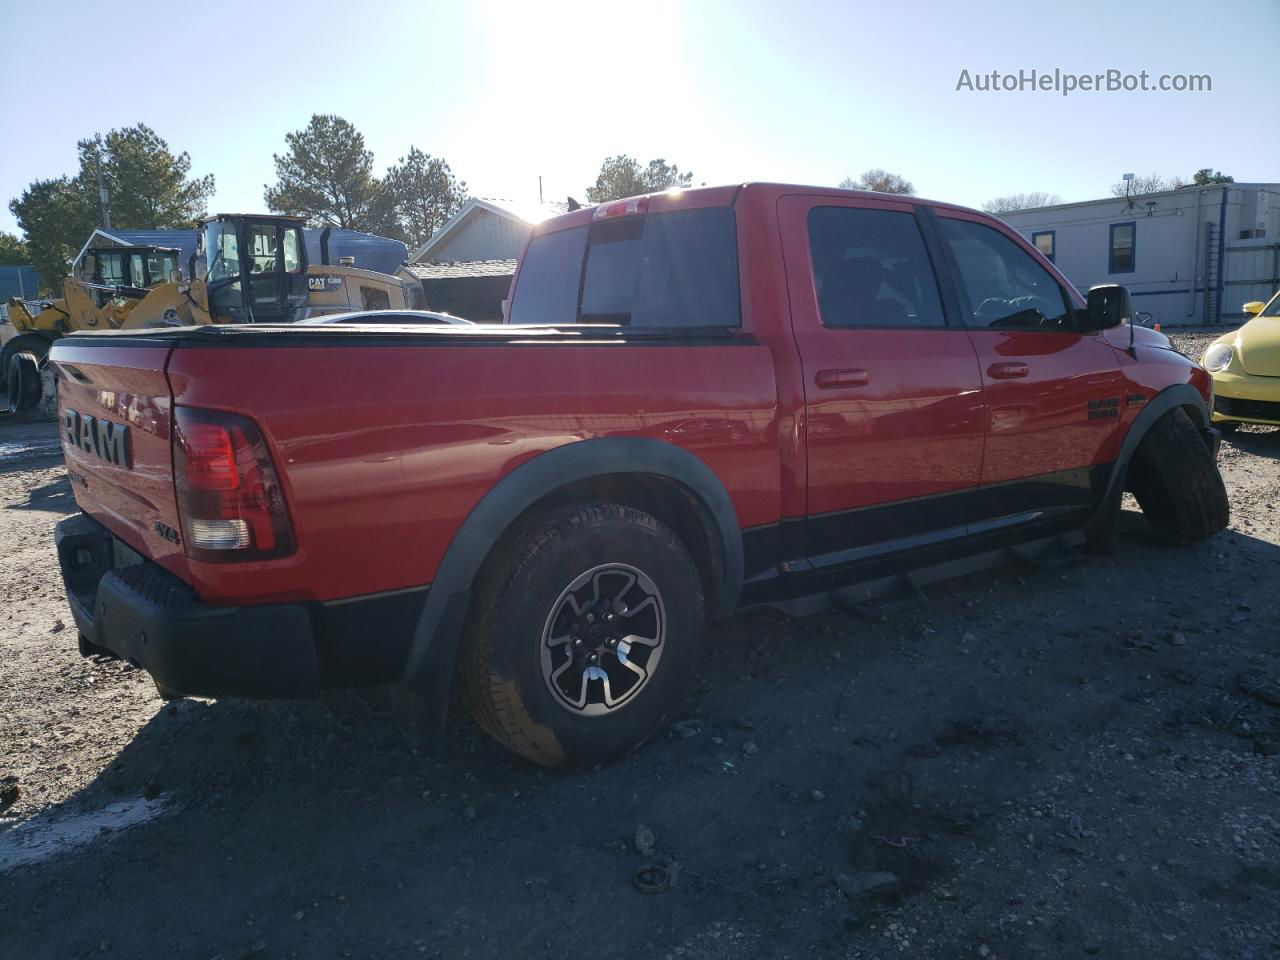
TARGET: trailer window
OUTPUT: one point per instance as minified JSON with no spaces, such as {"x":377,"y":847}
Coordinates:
{"x":1122,"y":244}
{"x":1044,"y":241}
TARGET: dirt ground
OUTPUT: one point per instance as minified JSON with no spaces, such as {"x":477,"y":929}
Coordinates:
{"x":1071,"y":762}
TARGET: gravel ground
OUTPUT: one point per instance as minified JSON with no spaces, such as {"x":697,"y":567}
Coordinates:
{"x":1071,"y":762}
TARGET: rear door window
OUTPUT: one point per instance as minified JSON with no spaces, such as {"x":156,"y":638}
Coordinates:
{"x":675,"y":270}
{"x":871,"y":269}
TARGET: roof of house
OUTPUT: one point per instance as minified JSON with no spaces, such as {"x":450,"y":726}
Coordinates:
{"x":525,"y":213}
{"x":21,"y":282}
{"x":463,"y":268}
{"x":371,"y":252}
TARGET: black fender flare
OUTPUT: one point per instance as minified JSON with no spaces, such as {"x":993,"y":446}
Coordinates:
{"x":429,"y":665}
{"x":1177,"y":395}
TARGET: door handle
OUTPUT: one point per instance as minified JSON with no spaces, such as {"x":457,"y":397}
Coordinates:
{"x":832,"y":379}
{"x":1007,"y":370}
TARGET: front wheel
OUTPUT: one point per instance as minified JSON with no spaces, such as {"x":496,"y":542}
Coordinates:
{"x":1176,"y":481}
{"x":585,"y":628}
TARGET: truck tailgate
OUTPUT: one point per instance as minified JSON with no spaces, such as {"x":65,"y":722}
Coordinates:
{"x":114,"y":407}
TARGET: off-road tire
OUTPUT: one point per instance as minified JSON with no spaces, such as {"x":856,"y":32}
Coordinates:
{"x":1176,"y":481}
{"x":500,"y":672}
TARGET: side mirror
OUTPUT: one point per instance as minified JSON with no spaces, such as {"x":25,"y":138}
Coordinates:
{"x":1109,"y":306}
{"x":1253,"y":308}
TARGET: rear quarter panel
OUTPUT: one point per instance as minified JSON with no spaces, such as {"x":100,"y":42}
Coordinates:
{"x":383,"y":451}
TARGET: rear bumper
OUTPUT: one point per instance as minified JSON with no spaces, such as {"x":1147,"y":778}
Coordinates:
{"x":134,"y":609}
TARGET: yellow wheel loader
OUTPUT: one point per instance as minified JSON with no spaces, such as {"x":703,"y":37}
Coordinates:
{"x":246,"y":269}
{"x":111,"y":286}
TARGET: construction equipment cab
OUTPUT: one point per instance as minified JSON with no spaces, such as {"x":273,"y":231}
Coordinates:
{"x":111,"y":270}
{"x":255,"y":268}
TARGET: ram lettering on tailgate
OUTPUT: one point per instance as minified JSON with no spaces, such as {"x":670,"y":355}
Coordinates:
{"x":97,"y":435}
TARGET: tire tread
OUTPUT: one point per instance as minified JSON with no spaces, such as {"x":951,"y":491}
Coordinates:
{"x":1177,"y":483}
{"x":490,"y":698}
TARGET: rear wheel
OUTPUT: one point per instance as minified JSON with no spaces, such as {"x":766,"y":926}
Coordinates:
{"x":1176,"y":481}
{"x":585,"y":628}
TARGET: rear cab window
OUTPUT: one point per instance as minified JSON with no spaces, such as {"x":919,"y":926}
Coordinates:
{"x":675,"y":270}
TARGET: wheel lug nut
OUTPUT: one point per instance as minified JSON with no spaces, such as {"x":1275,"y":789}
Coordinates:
{"x":577,"y":641}
{"x":591,"y":618}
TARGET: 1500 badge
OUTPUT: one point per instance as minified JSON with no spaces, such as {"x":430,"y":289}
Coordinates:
{"x":98,"y":436}
{"x":1104,"y":409}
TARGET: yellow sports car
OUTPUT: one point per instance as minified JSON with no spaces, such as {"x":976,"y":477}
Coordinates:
{"x":1246,"y":369}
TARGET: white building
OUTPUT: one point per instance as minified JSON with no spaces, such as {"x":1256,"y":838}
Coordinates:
{"x":467,"y":266}
{"x":1190,"y":256}
{"x":485,"y":229}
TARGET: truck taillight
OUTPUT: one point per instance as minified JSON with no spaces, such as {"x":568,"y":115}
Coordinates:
{"x":229,"y":498}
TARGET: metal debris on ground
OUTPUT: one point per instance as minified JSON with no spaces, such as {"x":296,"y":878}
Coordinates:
{"x":652,"y":878}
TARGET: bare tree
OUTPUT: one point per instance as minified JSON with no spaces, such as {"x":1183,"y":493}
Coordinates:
{"x":1143,"y":185}
{"x":879,"y":181}
{"x":1021,"y":201}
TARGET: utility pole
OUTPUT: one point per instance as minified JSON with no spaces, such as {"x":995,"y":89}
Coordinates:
{"x":539,"y":190}
{"x":102,"y":197}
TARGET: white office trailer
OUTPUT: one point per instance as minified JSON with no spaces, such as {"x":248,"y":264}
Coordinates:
{"x":1190,"y":257}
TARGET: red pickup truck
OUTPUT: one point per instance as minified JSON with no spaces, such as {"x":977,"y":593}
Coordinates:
{"x":702,"y":401}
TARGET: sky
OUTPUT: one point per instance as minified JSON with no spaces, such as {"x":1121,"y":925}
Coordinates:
{"x":802,"y":91}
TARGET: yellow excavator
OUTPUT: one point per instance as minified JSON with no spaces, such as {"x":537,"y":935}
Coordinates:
{"x":245,"y":269}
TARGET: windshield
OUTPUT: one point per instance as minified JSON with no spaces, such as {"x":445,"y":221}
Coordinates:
{"x":222,"y":249}
{"x":1272,"y":309}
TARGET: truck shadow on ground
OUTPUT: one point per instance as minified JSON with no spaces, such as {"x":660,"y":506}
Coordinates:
{"x":54,"y":497}
{"x":949,"y":745}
